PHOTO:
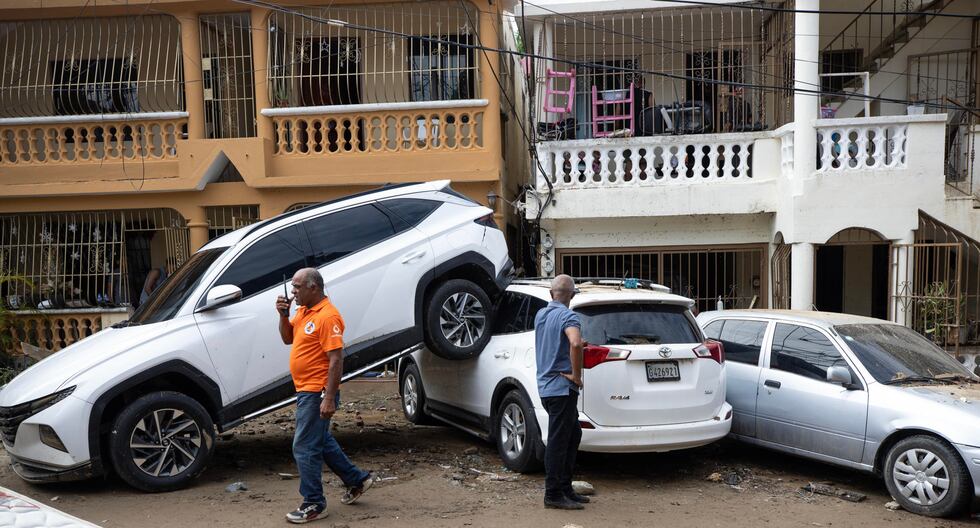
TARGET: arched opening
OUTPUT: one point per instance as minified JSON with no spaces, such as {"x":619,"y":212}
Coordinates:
{"x":851,"y":273}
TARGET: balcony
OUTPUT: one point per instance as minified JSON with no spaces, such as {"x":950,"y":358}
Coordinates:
{"x":216,"y":96}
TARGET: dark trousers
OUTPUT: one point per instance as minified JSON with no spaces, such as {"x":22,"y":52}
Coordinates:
{"x":564,"y":435}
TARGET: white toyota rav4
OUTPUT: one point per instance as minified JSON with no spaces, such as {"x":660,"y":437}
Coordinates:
{"x":403,"y":264}
{"x":652,"y":382}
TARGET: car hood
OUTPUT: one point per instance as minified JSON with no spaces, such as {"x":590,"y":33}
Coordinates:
{"x":964,"y":398}
{"x":57,"y":370}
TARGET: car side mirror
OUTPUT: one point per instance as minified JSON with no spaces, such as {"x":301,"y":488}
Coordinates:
{"x":220,"y":296}
{"x":842,"y":376}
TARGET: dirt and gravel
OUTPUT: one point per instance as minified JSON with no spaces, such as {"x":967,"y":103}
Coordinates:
{"x":437,"y":476}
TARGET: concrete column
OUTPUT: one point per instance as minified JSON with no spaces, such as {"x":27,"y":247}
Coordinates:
{"x":489,"y":88}
{"x":900,"y":307}
{"x":190,"y":46}
{"x":260,"y":60}
{"x":197,"y":224}
{"x":801,"y":271}
{"x":805,"y":104}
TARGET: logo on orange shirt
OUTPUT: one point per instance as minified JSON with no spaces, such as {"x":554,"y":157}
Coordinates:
{"x":310,"y":328}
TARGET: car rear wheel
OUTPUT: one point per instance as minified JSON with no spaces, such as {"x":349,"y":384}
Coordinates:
{"x":458,"y":319}
{"x":926,"y":476}
{"x":517,"y":434}
{"x":413,"y":397}
{"x":161,"y":441}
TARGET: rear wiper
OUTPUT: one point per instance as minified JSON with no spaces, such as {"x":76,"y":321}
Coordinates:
{"x":124,"y":324}
{"x":913,"y":379}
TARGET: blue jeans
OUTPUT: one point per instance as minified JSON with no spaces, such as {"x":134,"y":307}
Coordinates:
{"x":313,"y":445}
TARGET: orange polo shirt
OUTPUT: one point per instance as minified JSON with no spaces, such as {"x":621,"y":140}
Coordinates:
{"x":316,"y":331}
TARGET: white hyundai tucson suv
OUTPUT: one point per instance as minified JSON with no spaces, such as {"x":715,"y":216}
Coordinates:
{"x":404,"y":265}
{"x":652,"y":382}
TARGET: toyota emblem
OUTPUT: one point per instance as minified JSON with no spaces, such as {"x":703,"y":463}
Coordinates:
{"x":665,"y":351}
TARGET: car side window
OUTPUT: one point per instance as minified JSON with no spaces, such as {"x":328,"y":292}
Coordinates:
{"x":338,"y":234}
{"x":713,"y":330}
{"x":263,"y":264}
{"x":516,"y":313}
{"x":409,"y":212}
{"x":743,"y":340}
{"x":803,"y":351}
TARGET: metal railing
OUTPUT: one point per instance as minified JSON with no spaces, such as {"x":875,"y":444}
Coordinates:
{"x":227,"y":218}
{"x":88,"y":66}
{"x":228,"y":77}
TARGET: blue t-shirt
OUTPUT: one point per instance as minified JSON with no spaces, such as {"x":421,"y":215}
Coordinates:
{"x":551,"y":349}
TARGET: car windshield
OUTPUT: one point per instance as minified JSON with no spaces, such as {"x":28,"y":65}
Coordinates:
{"x":636,"y":324}
{"x":895,"y":353}
{"x":164,"y":303}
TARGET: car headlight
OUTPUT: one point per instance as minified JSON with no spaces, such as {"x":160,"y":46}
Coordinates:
{"x":40,"y":404}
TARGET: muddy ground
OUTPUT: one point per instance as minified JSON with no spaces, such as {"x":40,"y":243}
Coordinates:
{"x":437,"y":476}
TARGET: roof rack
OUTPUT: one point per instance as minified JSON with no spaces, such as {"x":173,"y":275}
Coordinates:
{"x":627,"y":283}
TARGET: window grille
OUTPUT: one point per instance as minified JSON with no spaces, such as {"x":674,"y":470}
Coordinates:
{"x":90,"y":66}
{"x":314,"y":64}
{"x":225,"y":219}
{"x":86,"y":259}
{"x":227,"y":68}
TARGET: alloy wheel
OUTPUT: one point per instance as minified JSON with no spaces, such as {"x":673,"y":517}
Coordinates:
{"x":410,"y":396}
{"x":165,"y":442}
{"x":462,"y":319}
{"x":921,"y":477}
{"x":513,"y":430}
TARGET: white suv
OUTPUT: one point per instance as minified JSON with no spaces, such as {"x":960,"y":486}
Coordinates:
{"x":403,"y":264}
{"x":651,"y":380}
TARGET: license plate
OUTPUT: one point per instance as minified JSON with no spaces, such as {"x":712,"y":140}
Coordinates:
{"x":663,"y":371}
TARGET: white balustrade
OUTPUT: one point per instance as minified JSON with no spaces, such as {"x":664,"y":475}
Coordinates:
{"x":862,"y":144}
{"x":641,"y":161}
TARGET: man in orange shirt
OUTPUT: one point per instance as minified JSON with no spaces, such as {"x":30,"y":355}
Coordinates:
{"x":316,"y":362}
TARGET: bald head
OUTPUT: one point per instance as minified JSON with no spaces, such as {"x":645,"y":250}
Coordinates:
{"x":308,"y":287}
{"x":563,"y":289}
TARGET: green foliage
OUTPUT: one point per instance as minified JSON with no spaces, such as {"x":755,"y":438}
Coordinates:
{"x":8,"y":368}
{"x":939,"y":311}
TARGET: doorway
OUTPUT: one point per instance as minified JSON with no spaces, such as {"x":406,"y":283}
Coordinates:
{"x":851,"y":274}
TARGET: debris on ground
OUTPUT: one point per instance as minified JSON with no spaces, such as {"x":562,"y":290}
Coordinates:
{"x":831,"y":491}
{"x":714,"y":477}
{"x":286,"y":476}
{"x":583,"y":488}
{"x":572,"y":526}
{"x":470,"y":451}
{"x":236,"y":486}
{"x":893,"y":506}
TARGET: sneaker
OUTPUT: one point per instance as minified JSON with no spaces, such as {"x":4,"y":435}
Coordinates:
{"x":564,"y":503}
{"x":307,"y":512}
{"x":355,"y":493}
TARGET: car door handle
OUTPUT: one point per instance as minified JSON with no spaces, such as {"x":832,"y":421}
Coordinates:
{"x":774,"y":384}
{"x":413,"y":256}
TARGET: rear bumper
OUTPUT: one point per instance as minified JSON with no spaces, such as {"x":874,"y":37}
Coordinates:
{"x":656,"y":438}
{"x":971,"y":457}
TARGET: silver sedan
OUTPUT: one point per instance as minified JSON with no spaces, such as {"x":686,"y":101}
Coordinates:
{"x":857,"y":392}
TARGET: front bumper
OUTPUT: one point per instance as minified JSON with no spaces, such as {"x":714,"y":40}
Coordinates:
{"x":38,"y":472}
{"x":657,"y":438}
{"x":971,"y":457}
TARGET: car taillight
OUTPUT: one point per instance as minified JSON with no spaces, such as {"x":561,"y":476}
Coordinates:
{"x":487,"y":221}
{"x":711,"y":349}
{"x":595,"y":355}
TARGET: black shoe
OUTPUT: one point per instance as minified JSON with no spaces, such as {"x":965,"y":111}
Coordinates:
{"x":307,"y":512}
{"x":563,"y":503}
{"x":575,"y":497}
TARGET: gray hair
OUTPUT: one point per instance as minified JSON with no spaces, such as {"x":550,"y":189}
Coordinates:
{"x":562,"y":283}
{"x":312,"y":277}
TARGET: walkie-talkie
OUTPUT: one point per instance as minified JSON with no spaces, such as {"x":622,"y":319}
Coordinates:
{"x":285,"y":291}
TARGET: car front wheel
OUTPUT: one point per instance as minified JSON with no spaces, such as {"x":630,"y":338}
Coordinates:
{"x":161,"y":441}
{"x":517,"y":435}
{"x":458,"y":320}
{"x":926,"y":476}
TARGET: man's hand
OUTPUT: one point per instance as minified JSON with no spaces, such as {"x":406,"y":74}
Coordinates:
{"x":327,"y":408}
{"x":282,"y":305}
{"x":573,"y":379}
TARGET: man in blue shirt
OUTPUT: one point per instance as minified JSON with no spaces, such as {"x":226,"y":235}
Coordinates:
{"x":558,"y":350}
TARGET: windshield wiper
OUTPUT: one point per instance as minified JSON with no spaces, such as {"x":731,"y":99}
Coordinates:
{"x":913,"y":379}
{"x":124,"y":324}
{"x":957,"y":377}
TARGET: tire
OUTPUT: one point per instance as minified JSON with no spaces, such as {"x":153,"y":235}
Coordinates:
{"x":519,"y":447}
{"x":166,"y":463}
{"x":911,"y":461}
{"x":413,"y":397}
{"x":458,"y":320}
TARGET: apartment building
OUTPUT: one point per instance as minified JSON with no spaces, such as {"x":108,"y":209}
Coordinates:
{"x":133,"y":132}
{"x":763,"y":154}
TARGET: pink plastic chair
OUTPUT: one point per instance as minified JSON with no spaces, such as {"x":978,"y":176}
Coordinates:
{"x":624,"y":105}
{"x":549,"y":91}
